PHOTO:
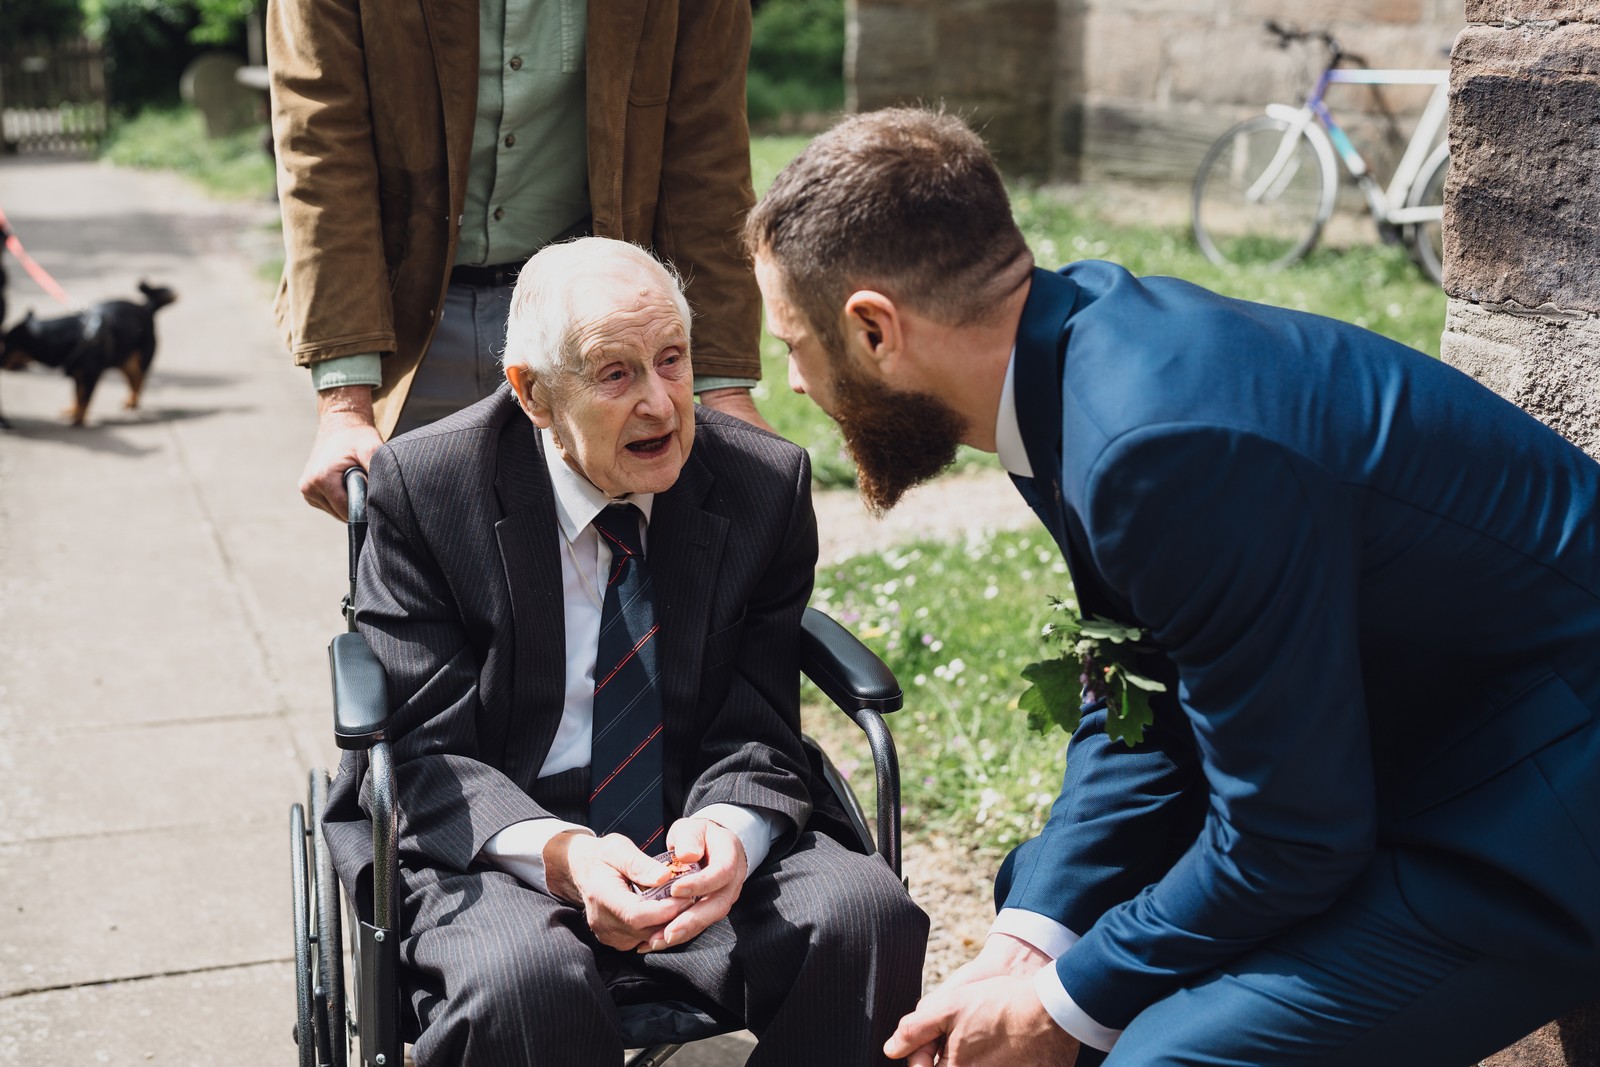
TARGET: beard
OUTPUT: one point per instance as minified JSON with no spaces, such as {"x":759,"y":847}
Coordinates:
{"x":897,"y":440}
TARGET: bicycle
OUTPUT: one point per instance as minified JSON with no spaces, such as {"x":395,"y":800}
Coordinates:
{"x":1265,"y":189}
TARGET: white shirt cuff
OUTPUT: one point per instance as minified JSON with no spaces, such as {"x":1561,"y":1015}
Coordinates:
{"x":1043,"y":933}
{"x":1065,"y":1011}
{"x":519,"y":848}
{"x":752,"y":827}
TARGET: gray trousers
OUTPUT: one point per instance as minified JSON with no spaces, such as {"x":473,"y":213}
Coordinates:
{"x":821,"y":956}
{"x":462,"y":364}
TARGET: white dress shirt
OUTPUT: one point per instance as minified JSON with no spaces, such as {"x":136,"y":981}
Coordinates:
{"x":585,"y":562}
{"x":1042,"y":932}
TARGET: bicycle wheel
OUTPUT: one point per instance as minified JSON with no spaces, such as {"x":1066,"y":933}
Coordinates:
{"x":1255,"y":205}
{"x":1426,"y":239}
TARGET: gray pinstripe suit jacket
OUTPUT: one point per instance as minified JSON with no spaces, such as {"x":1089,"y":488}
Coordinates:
{"x":460,"y":598}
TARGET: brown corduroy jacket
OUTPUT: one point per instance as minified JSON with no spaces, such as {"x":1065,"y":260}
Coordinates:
{"x":372,"y":113}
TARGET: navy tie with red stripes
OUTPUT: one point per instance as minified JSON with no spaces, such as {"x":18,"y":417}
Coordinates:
{"x":625,"y":755}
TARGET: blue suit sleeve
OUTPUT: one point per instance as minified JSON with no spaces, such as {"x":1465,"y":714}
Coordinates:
{"x":1123,"y":816}
{"x":1242,"y":557}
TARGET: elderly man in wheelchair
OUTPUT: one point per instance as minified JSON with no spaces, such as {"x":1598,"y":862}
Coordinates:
{"x":586,"y":598}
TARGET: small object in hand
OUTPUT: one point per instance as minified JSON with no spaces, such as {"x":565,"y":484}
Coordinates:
{"x":678,"y":867}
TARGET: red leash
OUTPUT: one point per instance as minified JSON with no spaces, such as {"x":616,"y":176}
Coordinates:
{"x":36,"y":272}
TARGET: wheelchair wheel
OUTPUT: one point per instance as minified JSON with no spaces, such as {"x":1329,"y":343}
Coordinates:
{"x":304,"y":1037}
{"x":328,"y":1018}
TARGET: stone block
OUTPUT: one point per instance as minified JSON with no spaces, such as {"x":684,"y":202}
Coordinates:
{"x":1330,"y":11}
{"x":1258,"y":72}
{"x":1121,"y":57}
{"x":1001,"y":48}
{"x":1547,"y":365}
{"x":1145,"y":143}
{"x":1533,"y":10}
{"x":1523,"y":203}
{"x":1207,"y":8}
{"x":1571,"y":1041}
{"x":890,"y":54}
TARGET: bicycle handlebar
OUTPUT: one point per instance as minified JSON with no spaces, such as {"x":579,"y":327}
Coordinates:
{"x":1288,"y":35}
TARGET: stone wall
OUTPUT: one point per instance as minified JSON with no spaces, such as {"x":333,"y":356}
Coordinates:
{"x":1522,"y":221}
{"x":1126,"y":89}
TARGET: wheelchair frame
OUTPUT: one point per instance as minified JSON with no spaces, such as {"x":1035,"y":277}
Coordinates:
{"x":326,"y":1023}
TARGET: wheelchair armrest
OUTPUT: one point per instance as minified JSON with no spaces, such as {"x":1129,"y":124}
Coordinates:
{"x":360,"y":693}
{"x":851,"y":675}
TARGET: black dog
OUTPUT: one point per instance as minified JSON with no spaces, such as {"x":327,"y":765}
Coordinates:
{"x":117,"y":333}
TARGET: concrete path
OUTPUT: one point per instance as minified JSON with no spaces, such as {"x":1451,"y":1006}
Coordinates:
{"x":165,"y":605}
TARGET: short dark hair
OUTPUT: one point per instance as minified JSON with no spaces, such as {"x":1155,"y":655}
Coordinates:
{"x":903,"y":199}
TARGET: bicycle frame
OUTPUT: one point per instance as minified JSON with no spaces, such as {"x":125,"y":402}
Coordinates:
{"x":1388,"y":205}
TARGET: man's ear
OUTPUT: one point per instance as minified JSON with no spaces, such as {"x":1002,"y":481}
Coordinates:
{"x":874,"y":331}
{"x":531,"y":394}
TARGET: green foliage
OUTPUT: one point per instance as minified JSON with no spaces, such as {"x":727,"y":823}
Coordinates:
{"x":43,"y":21}
{"x":950,"y":620}
{"x":796,"y":58}
{"x":174,"y":139}
{"x":148,"y":43}
{"x":1094,"y":661}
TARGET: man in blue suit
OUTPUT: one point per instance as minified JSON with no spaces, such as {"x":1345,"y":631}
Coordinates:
{"x":1364,"y":826}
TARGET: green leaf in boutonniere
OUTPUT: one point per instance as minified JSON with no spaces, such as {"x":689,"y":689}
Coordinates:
{"x":1094,"y":661}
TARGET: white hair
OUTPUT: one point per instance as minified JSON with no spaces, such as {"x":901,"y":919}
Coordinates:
{"x":541,"y":328}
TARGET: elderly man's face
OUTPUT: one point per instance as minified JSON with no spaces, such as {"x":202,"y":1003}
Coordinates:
{"x":625,"y":420}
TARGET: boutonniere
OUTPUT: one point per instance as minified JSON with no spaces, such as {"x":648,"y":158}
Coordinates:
{"x":1094,"y":661}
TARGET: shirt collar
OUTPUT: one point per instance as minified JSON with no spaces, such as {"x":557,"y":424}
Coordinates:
{"x":577,"y":499}
{"x":1007,"y":431}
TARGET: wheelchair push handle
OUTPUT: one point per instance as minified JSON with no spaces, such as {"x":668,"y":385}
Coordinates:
{"x":355,"y":493}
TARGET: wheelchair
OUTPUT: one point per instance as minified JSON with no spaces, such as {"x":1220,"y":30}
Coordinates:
{"x":331,"y":1022}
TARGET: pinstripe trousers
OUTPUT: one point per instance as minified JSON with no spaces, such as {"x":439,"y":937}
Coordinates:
{"x":820,"y":957}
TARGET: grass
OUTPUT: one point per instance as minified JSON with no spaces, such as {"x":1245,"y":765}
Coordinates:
{"x":232,"y":167}
{"x":956,"y":622}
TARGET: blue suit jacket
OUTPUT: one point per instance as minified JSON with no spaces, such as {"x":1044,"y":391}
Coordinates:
{"x":1376,"y":586}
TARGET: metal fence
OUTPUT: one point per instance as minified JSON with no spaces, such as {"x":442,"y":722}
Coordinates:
{"x":52,"y":96}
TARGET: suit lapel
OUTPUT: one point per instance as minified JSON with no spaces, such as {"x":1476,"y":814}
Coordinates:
{"x":1040,"y":360}
{"x":684,"y":553}
{"x":530,"y":553}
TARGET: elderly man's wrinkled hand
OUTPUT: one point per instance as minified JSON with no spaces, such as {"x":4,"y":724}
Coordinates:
{"x":709,"y":892}
{"x":600,"y":873}
{"x":346,"y":437}
{"x":998,"y":1022}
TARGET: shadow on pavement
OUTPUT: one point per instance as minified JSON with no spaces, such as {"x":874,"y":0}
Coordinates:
{"x":96,"y":437}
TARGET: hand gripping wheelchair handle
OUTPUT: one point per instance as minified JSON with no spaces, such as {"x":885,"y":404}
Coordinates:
{"x":854,"y":678}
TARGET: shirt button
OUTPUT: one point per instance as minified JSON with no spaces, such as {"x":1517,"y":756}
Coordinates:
{"x":499,"y":213}
{"x":516,"y":63}
{"x":511,"y":139}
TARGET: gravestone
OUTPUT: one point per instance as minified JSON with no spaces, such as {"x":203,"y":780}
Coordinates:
{"x":212,"y":85}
